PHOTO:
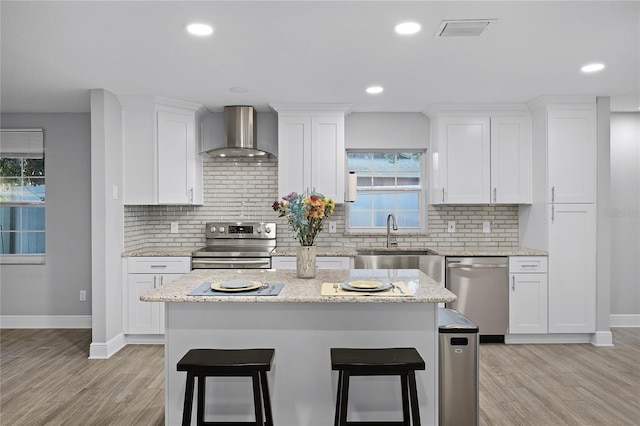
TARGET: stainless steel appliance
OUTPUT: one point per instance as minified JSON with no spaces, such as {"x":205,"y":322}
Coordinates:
{"x":458,"y":376}
{"x":482,"y":287}
{"x":236,"y":245}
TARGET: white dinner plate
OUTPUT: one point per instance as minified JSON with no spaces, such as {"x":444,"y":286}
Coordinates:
{"x":223,"y":286}
{"x":381,"y":287}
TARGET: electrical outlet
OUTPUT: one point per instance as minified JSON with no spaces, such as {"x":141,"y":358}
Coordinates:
{"x":332,"y":227}
{"x":83,"y":295}
{"x":486,"y":226}
{"x":174,"y":227}
{"x":452,"y":226}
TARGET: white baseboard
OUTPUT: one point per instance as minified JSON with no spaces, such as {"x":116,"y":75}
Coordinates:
{"x":45,"y":321}
{"x":145,"y":339}
{"x":602,"y":338}
{"x":547,"y":338}
{"x":104,"y":350}
{"x":622,"y":320}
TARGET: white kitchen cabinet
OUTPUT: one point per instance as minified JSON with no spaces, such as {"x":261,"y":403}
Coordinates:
{"x":322,"y":262}
{"x":162,"y":164}
{"x":311,"y":153}
{"x":572,"y":154}
{"x":511,"y":160}
{"x":481,"y":159}
{"x":572,"y":268}
{"x":144,"y":274}
{"x":528,"y":295}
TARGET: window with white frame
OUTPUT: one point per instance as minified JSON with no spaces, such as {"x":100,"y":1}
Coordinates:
{"x":22,"y":194}
{"x":387,"y":183}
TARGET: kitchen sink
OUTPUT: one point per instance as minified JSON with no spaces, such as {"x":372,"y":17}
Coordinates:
{"x":425,"y":260}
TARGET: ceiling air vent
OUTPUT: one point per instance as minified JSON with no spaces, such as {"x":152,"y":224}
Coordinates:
{"x":464,"y":27}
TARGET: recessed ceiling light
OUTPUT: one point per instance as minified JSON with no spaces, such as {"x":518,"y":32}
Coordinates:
{"x":238,"y":89}
{"x":374,"y":90}
{"x":407,"y":28}
{"x":592,"y":67}
{"x":200,"y":29}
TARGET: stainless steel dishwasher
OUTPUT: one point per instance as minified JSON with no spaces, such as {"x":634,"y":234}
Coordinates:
{"x":482,"y":287}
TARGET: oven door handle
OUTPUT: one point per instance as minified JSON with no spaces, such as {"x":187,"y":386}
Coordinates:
{"x":227,"y":262}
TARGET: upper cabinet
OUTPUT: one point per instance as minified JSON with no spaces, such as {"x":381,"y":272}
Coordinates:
{"x":162,"y":143}
{"x":571,"y":153}
{"x":482,"y":158}
{"x":311,"y":152}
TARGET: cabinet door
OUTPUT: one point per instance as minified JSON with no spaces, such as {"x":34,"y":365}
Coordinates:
{"x":572,"y":268}
{"x":163,"y":279}
{"x":572,"y":156}
{"x":327,"y":156}
{"x":464,"y":164}
{"x":294,"y":154}
{"x":528,"y":304}
{"x":510,"y":160}
{"x":176,"y":153}
{"x":143,"y":316}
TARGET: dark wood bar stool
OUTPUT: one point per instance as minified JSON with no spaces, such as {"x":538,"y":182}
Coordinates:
{"x":401,"y":362}
{"x":202,"y":363}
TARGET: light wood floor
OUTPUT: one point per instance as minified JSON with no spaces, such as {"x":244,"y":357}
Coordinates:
{"x":46,"y":379}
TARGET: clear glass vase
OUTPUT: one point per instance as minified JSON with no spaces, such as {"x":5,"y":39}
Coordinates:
{"x":306,"y":262}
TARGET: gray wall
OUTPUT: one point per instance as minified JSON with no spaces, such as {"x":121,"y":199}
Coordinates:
{"x":53,"y":288}
{"x":624,"y":213}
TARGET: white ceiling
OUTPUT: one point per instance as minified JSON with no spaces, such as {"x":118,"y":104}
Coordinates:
{"x":315,"y":52}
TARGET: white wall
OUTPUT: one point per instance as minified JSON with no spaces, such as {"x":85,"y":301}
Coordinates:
{"x":624,"y":215}
{"x":107,"y":223}
{"x":386,"y":130}
{"x":47,"y":295}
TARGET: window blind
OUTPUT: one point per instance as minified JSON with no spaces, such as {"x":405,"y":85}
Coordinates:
{"x":27,"y":143}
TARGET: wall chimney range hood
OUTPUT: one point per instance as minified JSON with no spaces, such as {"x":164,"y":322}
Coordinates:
{"x":240,"y":135}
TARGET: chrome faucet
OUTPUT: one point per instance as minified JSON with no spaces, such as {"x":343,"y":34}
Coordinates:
{"x":391,"y":240}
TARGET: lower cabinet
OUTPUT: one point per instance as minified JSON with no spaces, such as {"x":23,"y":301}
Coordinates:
{"x":322,"y":262}
{"x":528,"y":295}
{"x":144,"y":274}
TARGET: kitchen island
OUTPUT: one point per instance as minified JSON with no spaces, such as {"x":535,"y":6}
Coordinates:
{"x":302,"y":325}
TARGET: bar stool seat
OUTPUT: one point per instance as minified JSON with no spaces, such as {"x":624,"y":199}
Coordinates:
{"x":202,"y":363}
{"x":401,"y":362}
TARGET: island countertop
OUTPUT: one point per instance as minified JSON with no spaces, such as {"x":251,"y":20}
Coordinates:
{"x":424,"y":288}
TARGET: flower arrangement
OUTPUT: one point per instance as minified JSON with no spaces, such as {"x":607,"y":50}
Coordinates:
{"x":305,"y":214}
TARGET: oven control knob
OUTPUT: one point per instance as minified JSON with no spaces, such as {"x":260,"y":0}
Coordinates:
{"x":212,"y":229}
{"x":267,"y":229}
{"x":221,"y":230}
{"x":259,"y":230}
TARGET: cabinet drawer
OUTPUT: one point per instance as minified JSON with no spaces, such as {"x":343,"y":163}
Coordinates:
{"x":159,"y":265}
{"x":527,"y":264}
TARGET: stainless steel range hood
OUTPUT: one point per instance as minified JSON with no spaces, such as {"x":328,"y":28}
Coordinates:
{"x":240,"y":135}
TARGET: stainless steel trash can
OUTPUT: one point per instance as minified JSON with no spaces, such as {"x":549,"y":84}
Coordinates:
{"x":458,"y":369}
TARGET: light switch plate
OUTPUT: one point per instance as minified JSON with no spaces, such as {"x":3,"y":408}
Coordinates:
{"x":174,"y":227}
{"x":332,"y":227}
{"x":486,"y":226}
{"x":452,"y":226}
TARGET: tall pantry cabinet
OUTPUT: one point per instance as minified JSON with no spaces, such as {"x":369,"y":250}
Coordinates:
{"x":562,"y":219}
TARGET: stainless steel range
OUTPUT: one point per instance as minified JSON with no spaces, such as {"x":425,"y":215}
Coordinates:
{"x":236,"y":245}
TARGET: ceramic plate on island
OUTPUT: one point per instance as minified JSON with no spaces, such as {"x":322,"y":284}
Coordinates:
{"x":366,"y":286}
{"x":236,"y":285}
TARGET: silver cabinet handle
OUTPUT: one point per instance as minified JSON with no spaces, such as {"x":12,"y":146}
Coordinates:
{"x":495,"y":192}
{"x":476,"y":265}
{"x":191,"y":195}
{"x":161,"y":280}
{"x":158,"y":266}
{"x":154,"y":281}
{"x":553,"y":194}
{"x":513,"y":282}
{"x":443,"y":194}
{"x":553,"y":212}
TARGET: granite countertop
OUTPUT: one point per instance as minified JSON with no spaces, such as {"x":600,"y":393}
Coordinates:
{"x":320,"y":251}
{"x":353,"y":251}
{"x":161,"y":251}
{"x":425,"y":289}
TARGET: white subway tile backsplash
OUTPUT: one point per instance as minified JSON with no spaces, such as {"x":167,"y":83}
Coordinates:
{"x":244,"y":190}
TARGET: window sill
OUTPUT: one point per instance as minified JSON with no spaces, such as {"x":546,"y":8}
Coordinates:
{"x":23,"y":259}
{"x":383,"y":233}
